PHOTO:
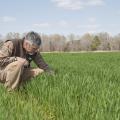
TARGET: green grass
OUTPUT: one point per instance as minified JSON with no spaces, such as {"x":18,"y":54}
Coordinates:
{"x":85,"y":87}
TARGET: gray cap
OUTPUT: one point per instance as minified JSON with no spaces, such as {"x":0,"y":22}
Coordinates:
{"x":34,"y":38}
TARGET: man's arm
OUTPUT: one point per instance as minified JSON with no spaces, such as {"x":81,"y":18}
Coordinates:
{"x":5,"y":53}
{"x":6,"y":49}
{"x":39,"y":61}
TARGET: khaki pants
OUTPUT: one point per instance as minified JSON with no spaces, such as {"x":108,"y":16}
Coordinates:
{"x":15,"y":73}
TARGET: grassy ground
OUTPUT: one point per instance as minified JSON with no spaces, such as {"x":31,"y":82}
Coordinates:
{"x":85,"y":87}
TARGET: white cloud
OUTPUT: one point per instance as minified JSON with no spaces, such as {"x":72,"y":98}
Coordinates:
{"x":69,"y":4}
{"x":92,"y":32}
{"x":42,"y":25}
{"x":7,"y":19}
{"x":92,"y":20}
{"x":77,"y":4}
{"x":90,"y":26}
{"x":95,"y":2}
{"x":61,"y":23}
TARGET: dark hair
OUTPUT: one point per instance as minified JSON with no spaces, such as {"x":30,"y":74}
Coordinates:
{"x":34,"y":38}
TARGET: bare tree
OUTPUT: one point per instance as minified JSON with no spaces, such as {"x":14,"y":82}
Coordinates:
{"x":86,"y":41}
{"x":11,"y":35}
{"x":115,"y":43}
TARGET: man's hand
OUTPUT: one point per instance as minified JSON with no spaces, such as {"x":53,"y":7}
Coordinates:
{"x":50,"y":71}
{"x":22,"y":60}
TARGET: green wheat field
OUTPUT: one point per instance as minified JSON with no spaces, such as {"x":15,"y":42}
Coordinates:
{"x":86,"y":86}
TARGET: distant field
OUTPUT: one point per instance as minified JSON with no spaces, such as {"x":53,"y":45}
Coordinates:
{"x":85,"y":87}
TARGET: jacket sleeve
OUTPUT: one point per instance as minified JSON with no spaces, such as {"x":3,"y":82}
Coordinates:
{"x":5,"y":54}
{"x":39,"y":61}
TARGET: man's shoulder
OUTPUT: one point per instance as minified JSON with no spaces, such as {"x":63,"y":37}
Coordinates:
{"x":7,"y":45}
{"x":8,"y":42}
{"x":13,"y":40}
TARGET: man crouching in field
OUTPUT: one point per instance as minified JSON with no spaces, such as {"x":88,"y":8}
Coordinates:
{"x":15,"y":58}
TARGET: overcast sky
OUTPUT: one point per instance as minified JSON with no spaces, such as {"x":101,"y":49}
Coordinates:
{"x":60,"y":16}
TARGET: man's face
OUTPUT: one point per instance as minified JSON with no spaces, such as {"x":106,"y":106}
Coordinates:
{"x":30,"y":48}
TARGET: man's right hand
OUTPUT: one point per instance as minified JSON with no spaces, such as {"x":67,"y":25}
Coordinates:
{"x":22,"y":60}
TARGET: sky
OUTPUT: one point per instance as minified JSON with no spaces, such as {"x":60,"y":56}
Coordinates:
{"x":60,"y":16}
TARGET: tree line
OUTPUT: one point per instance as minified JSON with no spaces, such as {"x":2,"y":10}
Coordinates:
{"x":87,"y":42}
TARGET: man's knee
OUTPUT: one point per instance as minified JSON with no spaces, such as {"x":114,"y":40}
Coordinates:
{"x":15,"y":65}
